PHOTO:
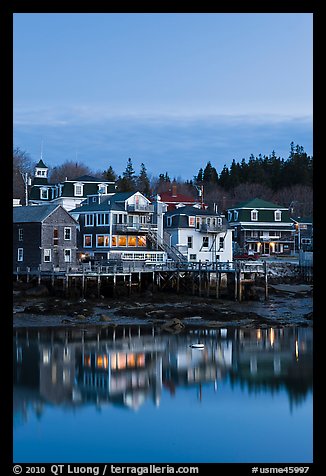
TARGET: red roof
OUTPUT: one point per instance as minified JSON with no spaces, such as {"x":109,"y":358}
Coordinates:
{"x":174,"y":199}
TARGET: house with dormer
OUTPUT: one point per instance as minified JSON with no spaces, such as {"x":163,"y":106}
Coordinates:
{"x":262,"y":227}
{"x":69,"y":193}
{"x":124,"y":225}
{"x":199,"y":234}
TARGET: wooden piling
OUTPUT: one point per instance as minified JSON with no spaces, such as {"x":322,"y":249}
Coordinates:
{"x":266,"y":280}
{"x":217,"y":289}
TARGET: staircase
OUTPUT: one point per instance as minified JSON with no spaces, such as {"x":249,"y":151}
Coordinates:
{"x":172,"y":252}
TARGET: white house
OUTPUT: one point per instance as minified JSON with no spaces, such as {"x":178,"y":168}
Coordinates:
{"x":200,"y":235}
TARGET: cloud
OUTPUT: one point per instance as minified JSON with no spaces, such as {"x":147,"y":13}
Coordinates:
{"x":179,"y":145}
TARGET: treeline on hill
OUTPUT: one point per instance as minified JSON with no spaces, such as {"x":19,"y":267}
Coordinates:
{"x":282,"y":181}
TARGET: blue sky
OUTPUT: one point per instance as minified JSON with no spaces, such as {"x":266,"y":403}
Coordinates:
{"x":170,"y":90}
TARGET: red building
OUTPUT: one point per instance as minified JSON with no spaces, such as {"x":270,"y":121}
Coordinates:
{"x":175,"y":200}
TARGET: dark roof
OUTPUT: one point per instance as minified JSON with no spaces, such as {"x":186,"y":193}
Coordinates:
{"x":306,"y":220}
{"x":256,"y":203}
{"x":112,"y":202}
{"x":88,"y":178}
{"x":32,"y":213}
{"x":41,"y":164}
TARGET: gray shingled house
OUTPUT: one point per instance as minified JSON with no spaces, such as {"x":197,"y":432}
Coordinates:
{"x":44,"y":237}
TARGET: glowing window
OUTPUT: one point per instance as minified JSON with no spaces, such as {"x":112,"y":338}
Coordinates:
{"x":122,"y":241}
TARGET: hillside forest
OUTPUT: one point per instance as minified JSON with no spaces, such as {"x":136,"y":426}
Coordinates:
{"x":286,"y":182}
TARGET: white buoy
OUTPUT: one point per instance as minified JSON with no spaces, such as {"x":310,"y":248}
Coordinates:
{"x":197,"y":346}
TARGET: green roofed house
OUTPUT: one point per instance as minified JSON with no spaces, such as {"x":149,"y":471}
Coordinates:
{"x":262,"y":227}
{"x":68,"y":193}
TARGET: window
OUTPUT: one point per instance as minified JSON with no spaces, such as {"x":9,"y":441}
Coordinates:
{"x":102,"y":240}
{"x":229,"y":216}
{"x":47,"y":256}
{"x":101,"y":188}
{"x":254,"y":215}
{"x":67,"y":256}
{"x":67,"y":233}
{"x":131,"y":241}
{"x":197,"y":222}
{"x":122,"y":241}
{"x":114,"y":241}
{"x":192,"y":257}
{"x":102,"y":219}
{"x":78,"y":189}
{"x":221,"y":245}
{"x":236,"y":215}
{"x":55,"y":236}
{"x":169,"y":221}
{"x":89,"y":219}
{"x":277,"y":215}
{"x":189,"y":240}
{"x":20,"y":254}
{"x":20,"y":234}
{"x":44,"y":193}
{"x":205,"y":241}
{"x":141,"y":240}
{"x":87,"y":241}
{"x":192,"y":221}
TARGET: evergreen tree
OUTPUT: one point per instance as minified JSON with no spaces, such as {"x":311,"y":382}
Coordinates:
{"x":110,"y":174}
{"x":210,"y":175}
{"x":143,"y":184}
{"x":127,"y":182}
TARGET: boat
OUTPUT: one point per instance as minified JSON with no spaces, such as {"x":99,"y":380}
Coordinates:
{"x":197,"y":346}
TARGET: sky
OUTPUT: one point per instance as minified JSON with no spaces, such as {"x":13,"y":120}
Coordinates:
{"x":170,"y":90}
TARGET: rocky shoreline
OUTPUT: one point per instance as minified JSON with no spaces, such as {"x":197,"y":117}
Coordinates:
{"x":288,"y":305}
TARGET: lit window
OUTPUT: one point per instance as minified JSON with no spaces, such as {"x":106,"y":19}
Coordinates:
{"x":254,"y":215}
{"x":87,"y":241}
{"x":102,"y":240}
{"x":114,"y":241}
{"x":55,"y":236}
{"x":131,"y":241}
{"x":141,"y":240}
{"x":191,"y":221}
{"x":122,"y":241}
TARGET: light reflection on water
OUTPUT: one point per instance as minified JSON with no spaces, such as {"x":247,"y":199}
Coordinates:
{"x":132,"y":394}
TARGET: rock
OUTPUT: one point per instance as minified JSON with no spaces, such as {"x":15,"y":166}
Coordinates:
{"x":104,"y":318}
{"x":38,"y":291}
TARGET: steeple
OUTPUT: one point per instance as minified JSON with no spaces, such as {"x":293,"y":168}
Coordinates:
{"x":41,"y":170}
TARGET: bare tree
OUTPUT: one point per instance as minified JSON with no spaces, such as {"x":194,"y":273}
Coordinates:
{"x":22,"y":165}
{"x":68,"y":170}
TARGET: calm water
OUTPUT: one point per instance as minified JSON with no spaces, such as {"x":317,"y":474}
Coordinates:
{"x":135,"y":395}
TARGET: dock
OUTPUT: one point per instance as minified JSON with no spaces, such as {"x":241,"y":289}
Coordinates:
{"x":209,"y":279}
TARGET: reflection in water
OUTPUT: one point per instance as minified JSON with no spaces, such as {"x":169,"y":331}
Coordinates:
{"x":129,"y":366}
